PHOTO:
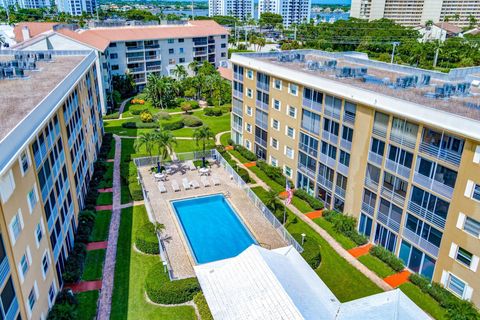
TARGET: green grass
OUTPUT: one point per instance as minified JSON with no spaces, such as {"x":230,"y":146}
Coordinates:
{"x":104,"y":198}
{"x":107,"y":180}
{"x":87,"y":304}
{"x":224,"y":138}
{"x":301,"y":205}
{"x":376,"y":265}
{"x":239,"y":157}
{"x":128,"y":301}
{"x":346,"y":282}
{"x":111,"y":153}
{"x":344,"y":241}
{"x":102,"y":224}
{"x":191,"y":145}
{"x":270,"y":183}
{"x":125,"y":196}
{"x":93,"y":265}
{"x":424,"y":301}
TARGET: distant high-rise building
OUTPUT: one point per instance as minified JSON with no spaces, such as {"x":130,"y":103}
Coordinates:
{"x":241,"y":9}
{"x":75,"y":7}
{"x":25,"y":4}
{"x":292,"y":11}
{"x":415,"y":12}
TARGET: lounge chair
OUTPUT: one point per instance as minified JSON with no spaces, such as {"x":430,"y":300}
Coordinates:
{"x":175,"y":186}
{"x":191,"y":166}
{"x":195,"y":184}
{"x":161,"y":187}
{"x":205,"y":181}
{"x":215,"y":181}
{"x":186,"y":184}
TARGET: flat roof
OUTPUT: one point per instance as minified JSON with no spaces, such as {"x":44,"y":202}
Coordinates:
{"x":19,"y":96}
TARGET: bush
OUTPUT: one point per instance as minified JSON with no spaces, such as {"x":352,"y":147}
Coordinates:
{"x":230,"y":142}
{"x":387,"y":257}
{"x":175,"y":125}
{"x":243,"y":173}
{"x":244,"y":152}
{"x":345,"y":225}
{"x":166,"y":291}
{"x":311,"y":251}
{"x":186,"y":106}
{"x":75,"y":263}
{"x":312,"y":201}
{"x":274,"y":173}
{"x":136,"y":112}
{"x":179,"y":101}
{"x":63,"y":311}
{"x":194,"y":104}
{"x":213,"y":112}
{"x":139,"y":125}
{"x":162,"y":115}
{"x":146,"y":117}
{"x":192,"y":121}
{"x":86,"y":220}
{"x":146,"y":239}
{"x":202,"y":307}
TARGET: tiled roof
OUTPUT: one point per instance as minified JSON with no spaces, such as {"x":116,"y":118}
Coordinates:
{"x":449,"y":27}
{"x":35,"y":28}
{"x":226,"y":73}
{"x":91,"y":39}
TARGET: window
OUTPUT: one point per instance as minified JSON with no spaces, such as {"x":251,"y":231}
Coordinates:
{"x":292,"y":111}
{"x":24,"y":162}
{"x":476,"y":192}
{"x":472,"y":226}
{"x":38,"y":234}
{"x":171,"y":51}
{"x":112,"y":45}
{"x":464,"y":256}
{"x":274,"y":143}
{"x":249,"y":93}
{"x":7,"y":185}
{"x":51,"y":294}
{"x":32,"y":298}
{"x":115,"y":67}
{"x":181,"y":50}
{"x":32,"y":198}
{"x":248,"y":127}
{"x":289,"y":152}
{"x":277,"y":84}
{"x":290,"y":132}
{"x":247,"y":144}
{"x":223,"y":45}
{"x":330,"y":126}
{"x":45,"y":264}
{"x":113,"y":55}
{"x":171,"y":61}
{"x":275,"y":124}
{"x":8,"y":294}
{"x":329,"y":150}
{"x":16,"y":226}
{"x":456,"y":285}
{"x":344,"y":158}
{"x":276,"y":104}
{"x":273,"y":161}
{"x":377,"y":147}
{"x":347,"y":133}
{"x":181,"y":40}
{"x":293,"y":89}
{"x":181,"y":60}
{"x":311,"y":122}
{"x":223,"y":36}
{"x":24,"y":264}
{"x":249,"y":111}
{"x":249,"y":74}
{"x":171,"y":40}
{"x":288,"y":171}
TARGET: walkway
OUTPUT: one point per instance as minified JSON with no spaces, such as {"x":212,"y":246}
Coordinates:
{"x":122,"y":107}
{"x":325,"y":235}
{"x":218,"y":136}
{"x":105,"y":301}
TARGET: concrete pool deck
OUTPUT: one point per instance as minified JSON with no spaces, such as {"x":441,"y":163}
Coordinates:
{"x":177,"y":249}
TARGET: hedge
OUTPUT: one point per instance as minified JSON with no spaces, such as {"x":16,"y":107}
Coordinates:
{"x":162,"y":115}
{"x":175,"y":125}
{"x":312,"y":201}
{"x":146,"y":239}
{"x":213,"y":112}
{"x":274,"y":173}
{"x":389,"y":258}
{"x":247,"y":154}
{"x":243,"y":174}
{"x":311,"y":251}
{"x":136,"y":112}
{"x":166,"y":291}
{"x":139,"y":125}
{"x":75,"y":263}
{"x":344,"y":224}
{"x":191,"y":121}
{"x":202,"y":307}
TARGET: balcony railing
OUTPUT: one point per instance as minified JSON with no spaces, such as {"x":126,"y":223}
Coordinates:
{"x":343,"y":169}
{"x":380,"y":131}
{"x":340,"y":191}
{"x":237,"y":127}
{"x":135,"y":59}
{"x":134,"y":48}
{"x":152,"y":46}
{"x":261,"y":141}
{"x":326,"y":160}
{"x":432,"y":184}
{"x":375,"y":158}
{"x":372,"y":184}
{"x":262,"y":105}
{"x":263,"y":86}
{"x":426,"y":214}
{"x":324,"y":182}
{"x":389,"y":222}
{"x":238,"y":76}
{"x":200,"y":53}
{"x":368,"y":209}
{"x":400,"y":138}
{"x":345,"y":144}
{"x":137,"y":69}
{"x":154,"y":68}
{"x":316,"y":106}
{"x":200,"y":43}
{"x":308,"y":150}
{"x":332,"y":112}
{"x":330,"y":137}
{"x":4,"y":269}
{"x":238,"y":94}
{"x":12,"y":310}
{"x":395,"y":196}
{"x":153,"y":57}
{"x":348,"y":118}
{"x":441,"y":153}
{"x":421,"y":242}
{"x":139,"y":80}
{"x":309,"y":172}
{"x":397,"y":168}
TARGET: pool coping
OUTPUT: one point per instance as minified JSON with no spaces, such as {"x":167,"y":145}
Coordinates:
{"x":184,"y":237}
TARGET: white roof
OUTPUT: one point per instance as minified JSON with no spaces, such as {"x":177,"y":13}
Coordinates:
{"x":279,"y":284}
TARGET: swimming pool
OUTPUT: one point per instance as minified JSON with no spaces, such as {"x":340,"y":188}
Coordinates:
{"x":212,"y":228}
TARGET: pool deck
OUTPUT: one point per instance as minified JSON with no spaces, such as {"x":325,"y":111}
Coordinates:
{"x":178,"y":252}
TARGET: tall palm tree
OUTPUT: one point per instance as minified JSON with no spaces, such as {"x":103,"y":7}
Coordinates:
{"x":180,"y":72}
{"x":158,"y":89}
{"x":271,"y":201}
{"x":164,"y":140}
{"x":147,"y":140}
{"x":203,"y":135}
{"x":194,"y":66}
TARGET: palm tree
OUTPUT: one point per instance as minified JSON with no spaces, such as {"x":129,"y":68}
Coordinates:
{"x":271,"y":201}
{"x":193,"y":66}
{"x":164,"y":140}
{"x":158,"y":227}
{"x":145,"y":140}
{"x":158,"y":89}
{"x":2,"y":41}
{"x":203,"y":135}
{"x":180,"y":72}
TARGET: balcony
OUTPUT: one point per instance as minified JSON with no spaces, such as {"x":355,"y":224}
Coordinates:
{"x":199,"y":53}
{"x":324,"y":182}
{"x":135,"y":59}
{"x":397,"y":168}
{"x":372,"y":184}
{"x":368,"y":209}
{"x":139,"y":80}
{"x":306,"y":170}
{"x":135,"y":48}
{"x":238,"y":76}
{"x":137,"y":69}
{"x":375,"y":158}
{"x":339,"y":191}
{"x":394,"y":196}
{"x":308,"y":150}
{"x":402,"y":139}
{"x":237,"y":127}
{"x":426,"y":214}
{"x":380,"y":131}
{"x":434,"y":185}
{"x":389,"y":222}
{"x":153,"y":57}
{"x":262,"y":105}
{"x":343,"y":169}
{"x":330,"y":137}
{"x":12,"y":310}
{"x":348,"y":118}
{"x":345,"y":144}
{"x":316,"y":106}
{"x":237,"y":108}
{"x":326,"y":160}
{"x":332,"y":112}
{"x":421,"y":242}
{"x":152,"y":46}
{"x":263,"y":86}
{"x":4,"y":269}
{"x":238,"y":94}
{"x":154,"y":68}
{"x":261,"y":141}
{"x":441,"y":153}
{"x":200,"y":43}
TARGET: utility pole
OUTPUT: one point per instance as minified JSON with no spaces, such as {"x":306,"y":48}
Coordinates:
{"x":395,"y":44}
{"x":193,"y":17}
{"x":295,"y":33}
{"x":435,"y":59}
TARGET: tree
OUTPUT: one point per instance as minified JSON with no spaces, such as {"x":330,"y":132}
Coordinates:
{"x":193,"y":66}
{"x":186,"y":106}
{"x":271,"y":201}
{"x":160,"y":90}
{"x":203,"y":135}
{"x":146,"y":140}
{"x":472,"y":21}
{"x":180,"y":72}
{"x":270,"y":20}
{"x":164,"y":140}
{"x":158,"y":227}
{"x":124,"y":84}
{"x":2,"y":41}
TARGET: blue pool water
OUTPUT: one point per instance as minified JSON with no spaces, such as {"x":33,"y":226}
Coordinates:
{"x":213,"y":229}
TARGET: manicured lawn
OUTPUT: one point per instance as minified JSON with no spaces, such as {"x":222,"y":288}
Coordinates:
{"x":344,"y":241}
{"x":301,"y":205}
{"x":93,"y":265}
{"x":87,"y":304}
{"x":376,"y":265}
{"x":102,"y":224}
{"x":224,"y":138}
{"x":107,"y":180}
{"x":104,"y":198}
{"x":237,"y":155}
{"x":128,"y":301}
{"x":424,"y":301}
{"x":125,"y":196}
{"x":346,"y":282}
{"x":130,"y":189}
{"x":191,"y":145}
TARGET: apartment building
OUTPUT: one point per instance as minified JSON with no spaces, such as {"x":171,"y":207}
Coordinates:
{"x":292,"y":11}
{"x":51,"y":132}
{"x":25,"y":4}
{"x":241,"y":9}
{"x":416,"y":12}
{"x":76,"y":7}
{"x":396,"y":147}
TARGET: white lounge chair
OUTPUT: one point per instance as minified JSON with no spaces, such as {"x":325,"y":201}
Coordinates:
{"x":161,"y":187}
{"x":175,"y":186}
{"x":215,"y":181}
{"x":186,"y":184}
{"x":205,"y":181}
{"x":191,"y":166}
{"x":195,"y":184}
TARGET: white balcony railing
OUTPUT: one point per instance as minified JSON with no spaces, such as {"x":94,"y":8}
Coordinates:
{"x":375,"y":158}
{"x":309,"y":172}
{"x":441,"y":153}
{"x":326,"y":160}
{"x":421,"y":242}
{"x":343,"y":169}
{"x":389,"y":222}
{"x":324,"y":182}
{"x":426,"y":214}
{"x":345,"y":144}
{"x":432,"y":184}
{"x":392,"y":195}
{"x":330,"y":137}
{"x":368,"y":209}
{"x":397,"y":168}
{"x":372,"y":184}
{"x":339,"y":191}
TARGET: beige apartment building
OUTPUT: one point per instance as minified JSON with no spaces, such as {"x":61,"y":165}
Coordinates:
{"x":416,"y":12}
{"x":50,"y":133}
{"x":395,"y":146}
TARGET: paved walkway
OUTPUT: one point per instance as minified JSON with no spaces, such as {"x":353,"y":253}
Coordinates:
{"x":218,"y":136}
{"x":398,"y":279}
{"x":360,"y":251}
{"x":85,"y":286}
{"x":122,"y":107}
{"x":97,"y":245}
{"x":105,"y":301}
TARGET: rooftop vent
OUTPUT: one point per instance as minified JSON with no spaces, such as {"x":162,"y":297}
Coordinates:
{"x":348,"y":72}
{"x":291,"y":57}
{"x":450,"y":89}
{"x":406,"y":82}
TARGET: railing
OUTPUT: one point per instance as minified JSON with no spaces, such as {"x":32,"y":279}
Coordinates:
{"x":313,"y":105}
{"x":4,"y":269}
{"x":135,"y":48}
{"x":137,"y":69}
{"x":263,"y":86}
{"x":330,"y":137}
{"x":380,"y":131}
{"x":199,"y":53}
{"x":237,"y":94}
{"x":340,"y":191}
{"x":324,"y":182}
{"x":395,"y":196}
{"x":135,"y":59}
{"x":152,"y":46}
{"x":200,"y":43}
{"x":237,"y":109}
{"x":154,"y":68}
{"x":261,"y":141}
{"x":426,"y":214}
{"x":12,"y":310}
{"x":423,"y":243}
{"x":400,"y":138}
{"x":238,"y":76}
{"x":139,"y":80}
{"x":375,"y":158}
{"x":348,"y":118}
{"x":343,"y":169}
{"x":372,"y":184}
{"x":332,"y":112}
{"x":237,"y":126}
{"x":432,"y":184}
{"x":153,"y":57}
{"x":397,"y":168}
{"x":306,"y":170}
{"x":368,"y":209}
{"x":389,"y":222}
{"x":308,"y":150}
{"x":262,"y":105}
{"x":326,"y":160}
{"x":441,"y":153}
{"x":345,"y":144}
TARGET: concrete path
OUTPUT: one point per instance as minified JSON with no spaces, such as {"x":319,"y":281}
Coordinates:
{"x":183,"y":112}
{"x":122,"y":107}
{"x":218,"y":135}
{"x":105,"y":301}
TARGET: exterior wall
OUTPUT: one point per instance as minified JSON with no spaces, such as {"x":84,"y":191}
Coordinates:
{"x":241,"y":9}
{"x":292,"y":11}
{"x":408,"y":147}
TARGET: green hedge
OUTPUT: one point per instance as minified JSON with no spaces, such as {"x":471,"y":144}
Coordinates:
{"x":213,"y":112}
{"x":139,"y":125}
{"x":345,"y":225}
{"x":274,"y":173}
{"x":202,"y":306}
{"x":243,"y":174}
{"x":146,"y":239}
{"x":162,"y":115}
{"x":174,"y":125}
{"x":311,"y":251}
{"x":75,"y":263}
{"x":169,"y":292}
{"x":389,"y":258}
{"x":312,"y":201}
{"x":192,"y":121}
{"x":247,"y":154}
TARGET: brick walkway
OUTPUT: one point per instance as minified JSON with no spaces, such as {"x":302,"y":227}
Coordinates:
{"x":105,"y":190}
{"x":105,"y":301}
{"x":360,"y":251}
{"x":97,"y":245}
{"x":105,"y":207}
{"x":397,"y":279}
{"x":314,"y":214}
{"x":85,"y":286}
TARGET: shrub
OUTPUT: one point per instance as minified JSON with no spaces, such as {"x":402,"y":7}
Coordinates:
{"x":213,"y":112}
{"x":345,"y":225}
{"x":202,"y":306}
{"x":194,"y":104}
{"x":192,"y":121}
{"x":166,"y":291}
{"x":136,"y":111}
{"x":86,"y":220}
{"x":137,"y":101}
{"x":110,"y":116}
{"x":244,"y":152}
{"x":139,"y":125}
{"x":146,"y":117}
{"x":387,"y":257}
{"x":179,"y":101}
{"x":312,"y":201}
{"x":274,"y":173}
{"x":146,"y":239}
{"x":186,"y":106}
{"x":75,"y":263}
{"x":311,"y":251}
{"x":230,"y":142}
{"x":175,"y":125}
{"x":162,"y":115}
{"x":63,"y":311}
{"x":243,"y":174}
